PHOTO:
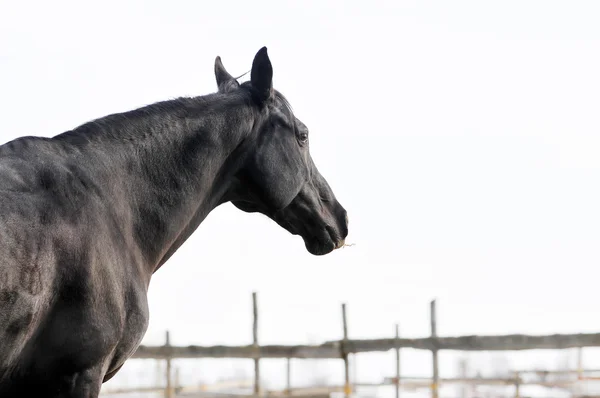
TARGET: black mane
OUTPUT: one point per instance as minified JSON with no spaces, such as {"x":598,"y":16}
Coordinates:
{"x":142,"y":122}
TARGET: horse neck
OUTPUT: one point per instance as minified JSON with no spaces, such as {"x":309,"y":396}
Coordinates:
{"x":167,"y":180}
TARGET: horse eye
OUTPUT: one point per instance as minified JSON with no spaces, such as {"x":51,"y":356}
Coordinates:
{"x":303,"y":137}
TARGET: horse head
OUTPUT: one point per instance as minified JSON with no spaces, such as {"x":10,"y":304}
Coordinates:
{"x":279,"y":177}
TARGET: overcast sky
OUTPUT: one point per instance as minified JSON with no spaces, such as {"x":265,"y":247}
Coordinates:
{"x":462,"y":137}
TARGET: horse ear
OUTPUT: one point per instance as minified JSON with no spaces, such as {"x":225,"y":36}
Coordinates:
{"x":262,"y":75}
{"x":225,"y":82}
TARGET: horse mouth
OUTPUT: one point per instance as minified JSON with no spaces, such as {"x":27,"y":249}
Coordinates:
{"x":335,"y":238}
{"x":320,"y":237}
{"x":324,"y":244}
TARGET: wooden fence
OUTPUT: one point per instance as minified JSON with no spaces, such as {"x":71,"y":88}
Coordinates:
{"x":341,"y":349}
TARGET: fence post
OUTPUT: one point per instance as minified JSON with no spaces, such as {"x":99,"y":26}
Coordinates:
{"x":255,"y":341}
{"x":169,"y":387}
{"x":347,"y":387}
{"x":177,"y":386}
{"x":397,"y":362}
{"x":580,"y":363}
{"x":462,"y":365}
{"x":436,"y":376}
{"x":289,"y":376}
{"x":580,"y":386}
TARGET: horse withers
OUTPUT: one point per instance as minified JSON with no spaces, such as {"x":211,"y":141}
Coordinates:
{"x":88,"y":216}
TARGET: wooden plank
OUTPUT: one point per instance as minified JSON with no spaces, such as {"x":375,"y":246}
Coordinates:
{"x":250,"y":351}
{"x":436,"y":373}
{"x":307,"y":392}
{"x":130,"y":390}
{"x":344,"y":353}
{"x":463,"y":366}
{"x":580,"y":362}
{"x":255,"y":341}
{"x":169,"y":392}
{"x":332,"y":349}
{"x":288,"y":376}
{"x":397,"y":381}
{"x":515,"y":342}
{"x":411,"y":382}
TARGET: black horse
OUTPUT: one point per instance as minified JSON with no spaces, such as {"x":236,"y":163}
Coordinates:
{"x":87,"y":216}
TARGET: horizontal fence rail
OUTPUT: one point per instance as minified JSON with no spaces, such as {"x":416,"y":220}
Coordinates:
{"x":333,"y":349}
